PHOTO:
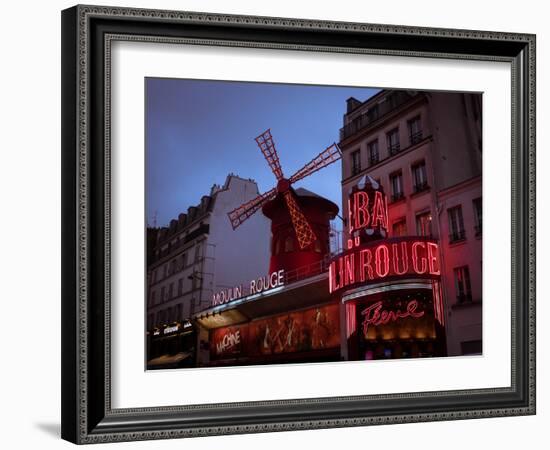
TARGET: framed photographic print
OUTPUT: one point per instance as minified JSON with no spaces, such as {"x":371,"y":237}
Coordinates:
{"x":283,"y":224}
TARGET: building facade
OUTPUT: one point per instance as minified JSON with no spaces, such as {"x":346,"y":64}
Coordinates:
{"x":191,"y":258}
{"x":424,"y":149}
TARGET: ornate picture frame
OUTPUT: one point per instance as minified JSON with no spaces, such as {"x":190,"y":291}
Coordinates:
{"x":88,"y":33}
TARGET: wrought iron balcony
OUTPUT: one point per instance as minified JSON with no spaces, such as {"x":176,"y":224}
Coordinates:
{"x":457,"y":236}
{"x":464,"y":298}
{"x":397,"y":196}
{"x":392,"y":102}
{"x":416,"y":137}
{"x":394,"y":149}
{"x":419,"y":187}
{"x":478,"y":230}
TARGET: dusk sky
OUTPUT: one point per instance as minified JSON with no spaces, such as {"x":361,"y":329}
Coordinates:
{"x":197,"y":132}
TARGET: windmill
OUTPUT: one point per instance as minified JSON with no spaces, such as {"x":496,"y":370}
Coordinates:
{"x":302,"y":228}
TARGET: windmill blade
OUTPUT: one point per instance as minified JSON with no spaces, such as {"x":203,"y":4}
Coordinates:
{"x":243,"y":212}
{"x":324,"y":159}
{"x":267,"y":146}
{"x":304,"y":233}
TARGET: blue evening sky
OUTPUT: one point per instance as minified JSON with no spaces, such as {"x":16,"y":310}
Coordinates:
{"x":197,"y":132}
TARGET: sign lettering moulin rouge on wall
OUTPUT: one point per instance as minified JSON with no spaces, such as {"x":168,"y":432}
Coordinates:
{"x":255,"y":286}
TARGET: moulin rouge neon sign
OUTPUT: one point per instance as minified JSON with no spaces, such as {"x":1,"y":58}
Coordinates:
{"x":377,"y":261}
{"x":364,"y":262}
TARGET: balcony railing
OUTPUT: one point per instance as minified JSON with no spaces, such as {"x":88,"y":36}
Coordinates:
{"x":397,"y":196}
{"x":394,"y":149}
{"x":393,"y":101}
{"x":478,"y":230}
{"x":416,"y":137}
{"x":374,"y":159}
{"x":419,"y":187}
{"x":457,"y":236}
{"x":355,"y":169}
{"x":464,"y":298}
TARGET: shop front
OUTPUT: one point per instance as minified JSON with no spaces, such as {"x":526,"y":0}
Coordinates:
{"x":172,"y":346}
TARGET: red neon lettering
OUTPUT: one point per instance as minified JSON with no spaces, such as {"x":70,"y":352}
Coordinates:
{"x":361,"y":203}
{"x":332,"y":277}
{"x":404,"y":258}
{"x":379,"y":212}
{"x":350,"y":218}
{"x":433,"y":258}
{"x":349,"y":263}
{"x":382,"y":256}
{"x":424,"y":264}
{"x":365,"y":260}
{"x":375,"y":315}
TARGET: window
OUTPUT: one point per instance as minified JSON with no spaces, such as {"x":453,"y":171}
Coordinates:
{"x":392,"y":139}
{"x":162,"y":293}
{"x":174,"y":266}
{"x":424,"y":224}
{"x":415,"y":130}
{"x":166,"y":270}
{"x":462,"y":284}
{"x":373,"y":113}
{"x":180,"y":286}
{"x":478,"y":216}
{"x":198,"y":252}
{"x":456,"y":224}
{"x":153,"y":276}
{"x":178,"y":312}
{"x":399,"y":228}
{"x":289,"y":244}
{"x":183,"y":260}
{"x":419,"y":177}
{"x":372,"y":151}
{"x":396,"y":181}
{"x":171,"y":290}
{"x":153,"y":297}
{"x":355,"y":162}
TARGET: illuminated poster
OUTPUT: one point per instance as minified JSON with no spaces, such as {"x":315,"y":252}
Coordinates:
{"x":302,"y":331}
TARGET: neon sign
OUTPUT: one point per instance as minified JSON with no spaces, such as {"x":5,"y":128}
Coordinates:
{"x":375,"y":314}
{"x":228,"y":341}
{"x":256,"y":286}
{"x":367,"y":211}
{"x":384,"y":259}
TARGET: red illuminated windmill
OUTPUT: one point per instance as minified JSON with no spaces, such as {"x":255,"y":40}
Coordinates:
{"x":304,"y":232}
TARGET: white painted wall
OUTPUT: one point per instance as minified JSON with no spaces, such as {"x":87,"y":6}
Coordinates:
{"x":241,"y":254}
